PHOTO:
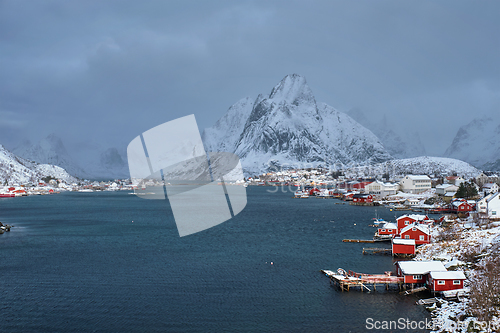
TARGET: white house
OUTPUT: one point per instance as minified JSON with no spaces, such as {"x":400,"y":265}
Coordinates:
{"x":490,"y":188}
{"x":489,"y":205}
{"x":382,"y":189}
{"x":415,"y":183}
{"x":446,"y":188}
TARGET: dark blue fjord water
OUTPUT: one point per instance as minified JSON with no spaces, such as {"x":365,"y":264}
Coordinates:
{"x":75,"y":262}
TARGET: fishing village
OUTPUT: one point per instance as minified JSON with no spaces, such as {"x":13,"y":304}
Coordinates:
{"x":445,"y":243}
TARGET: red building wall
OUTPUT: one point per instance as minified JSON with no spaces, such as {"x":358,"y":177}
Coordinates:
{"x":416,"y":236}
{"x":403,"y":249}
{"x":448,"y":285}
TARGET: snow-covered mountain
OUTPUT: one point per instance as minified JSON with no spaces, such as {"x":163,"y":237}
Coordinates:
{"x":398,"y":145}
{"x":16,"y":170}
{"x":289,"y":129}
{"x":87,"y":160}
{"x":49,"y":150}
{"x":425,"y":165}
{"x":478,"y":143}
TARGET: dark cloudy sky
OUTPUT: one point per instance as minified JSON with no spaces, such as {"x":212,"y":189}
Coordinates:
{"x":108,"y":70}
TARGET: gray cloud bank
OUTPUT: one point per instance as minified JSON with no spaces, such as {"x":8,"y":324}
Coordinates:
{"x":106,"y":71}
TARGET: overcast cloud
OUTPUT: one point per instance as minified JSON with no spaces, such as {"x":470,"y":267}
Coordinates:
{"x":105,"y":71}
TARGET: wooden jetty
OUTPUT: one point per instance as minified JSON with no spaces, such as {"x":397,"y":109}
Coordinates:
{"x":359,"y":240}
{"x":347,"y":280}
{"x":376,"y":250}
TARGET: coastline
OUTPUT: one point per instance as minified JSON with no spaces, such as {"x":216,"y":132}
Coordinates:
{"x":463,"y":245}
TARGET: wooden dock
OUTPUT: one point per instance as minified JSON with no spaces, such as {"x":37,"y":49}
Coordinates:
{"x":347,"y":280}
{"x":376,"y":250}
{"x":358,"y":241}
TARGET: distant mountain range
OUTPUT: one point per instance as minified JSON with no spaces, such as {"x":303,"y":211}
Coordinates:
{"x":288,"y":128}
{"x":87,"y":161}
{"x":478,"y":143}
{"x":16,"y":170}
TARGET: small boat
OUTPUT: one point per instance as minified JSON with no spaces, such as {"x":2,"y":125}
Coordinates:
{"x":305,"y":195}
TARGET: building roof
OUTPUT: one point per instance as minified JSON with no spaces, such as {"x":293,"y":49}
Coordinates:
{"x":445,"y":186}
{"x":420,"y":267}
{"x":422,"y":227}
{"x":493,"y":197}
{"x":403,"y":241}
{"x":418,"y":177}
{"x":450,"y":275}
{"x":416,"y":217}
{"x":389,"y":225}
{"x":489,"y":185}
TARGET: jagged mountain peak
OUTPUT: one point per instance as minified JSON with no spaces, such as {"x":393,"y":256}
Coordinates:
{"x":293,"y":89}
{"x":289,"y":129}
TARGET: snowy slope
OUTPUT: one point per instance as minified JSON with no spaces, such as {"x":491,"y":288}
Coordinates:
{"x":289,"y":129}
{"x":478,"y":143}
{"x":16,"y":170}
{"x":419,"y":165}
{"x":49,"y":150}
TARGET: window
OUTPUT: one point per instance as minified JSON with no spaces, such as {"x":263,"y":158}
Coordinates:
{"x":494,"y":212}
{"x":407,"y":236}
{"x":383,"y":230}
{"x":413,"y":229}
{"x":440,"y":282}
{"x":456,"y":282}
{"x":422,"y":237}
{"x":407,"y":222}
{"x":417,"y":277}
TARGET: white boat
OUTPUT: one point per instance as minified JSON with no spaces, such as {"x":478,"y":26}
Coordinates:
{"x":298,"y":194}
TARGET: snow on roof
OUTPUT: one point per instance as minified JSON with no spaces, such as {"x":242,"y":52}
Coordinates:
{"x":492,"y":197}
{"x":416,"y":217}
{"x":418,"y":177}
{"x":444,"y":186}
{"x":422,"y":227}
{"x":489,"y":185}
{"x":420,"y":267}
{"x":390,"y":225}
{"x":458,"y":203}
{"x":450,"y":275}
{"x":403,"y":241}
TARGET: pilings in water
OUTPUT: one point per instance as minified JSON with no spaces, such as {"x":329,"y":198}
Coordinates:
{"x":351,"y":279}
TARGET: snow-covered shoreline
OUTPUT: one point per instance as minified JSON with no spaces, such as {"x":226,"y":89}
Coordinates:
{"x":458,"y":245}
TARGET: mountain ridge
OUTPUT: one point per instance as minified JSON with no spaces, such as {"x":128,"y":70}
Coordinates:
{"x":289,"y":128}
